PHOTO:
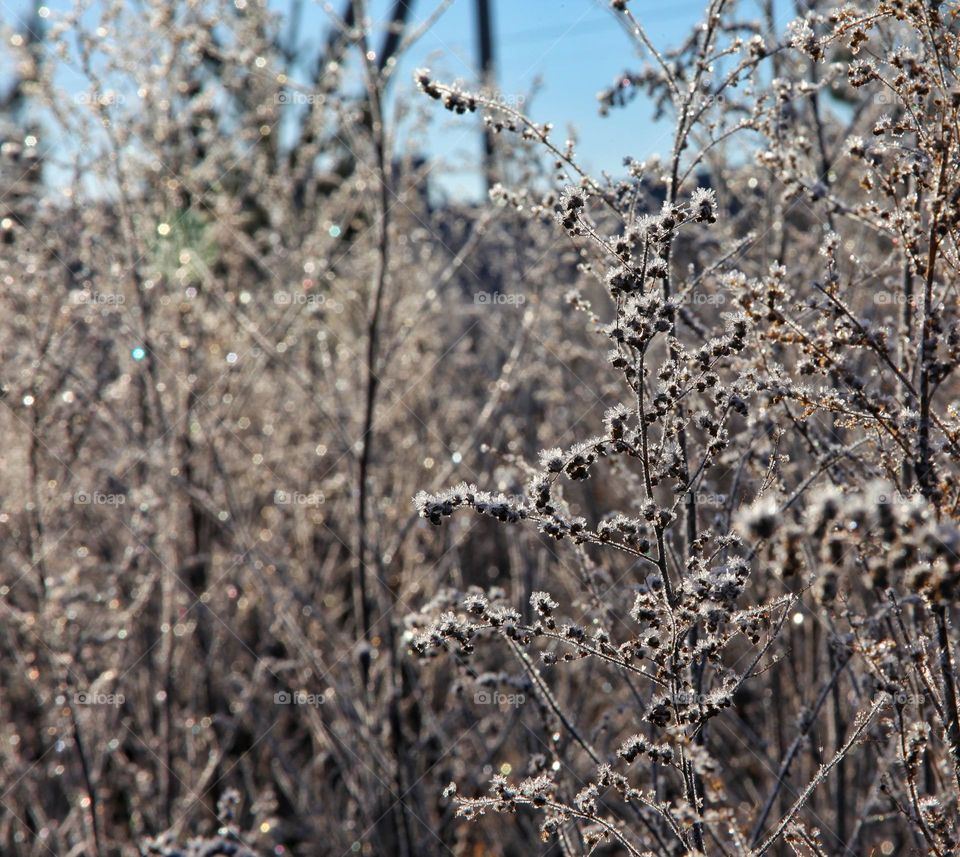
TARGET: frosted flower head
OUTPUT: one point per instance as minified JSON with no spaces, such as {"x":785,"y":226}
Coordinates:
{"x":703,"y":205}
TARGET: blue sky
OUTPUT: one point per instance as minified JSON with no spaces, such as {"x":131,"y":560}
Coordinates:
{"x":573,"y":48}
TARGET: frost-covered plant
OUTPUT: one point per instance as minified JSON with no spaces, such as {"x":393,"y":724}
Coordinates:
{"x":730,"y":608}
{"x":229,"y":307}
{"x":228,"y":841}
{"x":239,"y":329}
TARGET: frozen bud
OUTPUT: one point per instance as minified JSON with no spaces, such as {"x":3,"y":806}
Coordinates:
{"x":621,"y":281}
{"x":703,"y":204}
{"x":861,"y":72}
{"x":633,"y":747}
{"x":543,"y":603}
{"x":759,"y":520}
{"x":433,"y":507}
{"x":551,"y":460}
{"x":657,"y":268}
{"x":573,"y":199}
{"x":539,"y":490}
{"x":476,"y":604}
{"x":856,"y":147}
{"x":459,"y":102}
{"x":617,"y":359}
{"x":616,"y":419}
{"x":703,"y":420}
{"x":426,"y":85}
{"x":586,"y":800}
{"x":804,"y":39}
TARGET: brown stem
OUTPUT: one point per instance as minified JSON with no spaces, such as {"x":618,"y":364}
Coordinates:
{"x":952,"y":723}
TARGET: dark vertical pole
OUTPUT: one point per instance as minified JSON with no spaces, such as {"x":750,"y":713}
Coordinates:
{"x":393,"y":39}
{"x":487,"y":80}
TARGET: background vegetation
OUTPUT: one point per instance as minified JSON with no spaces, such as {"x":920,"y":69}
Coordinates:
{"x":698,"y":422}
